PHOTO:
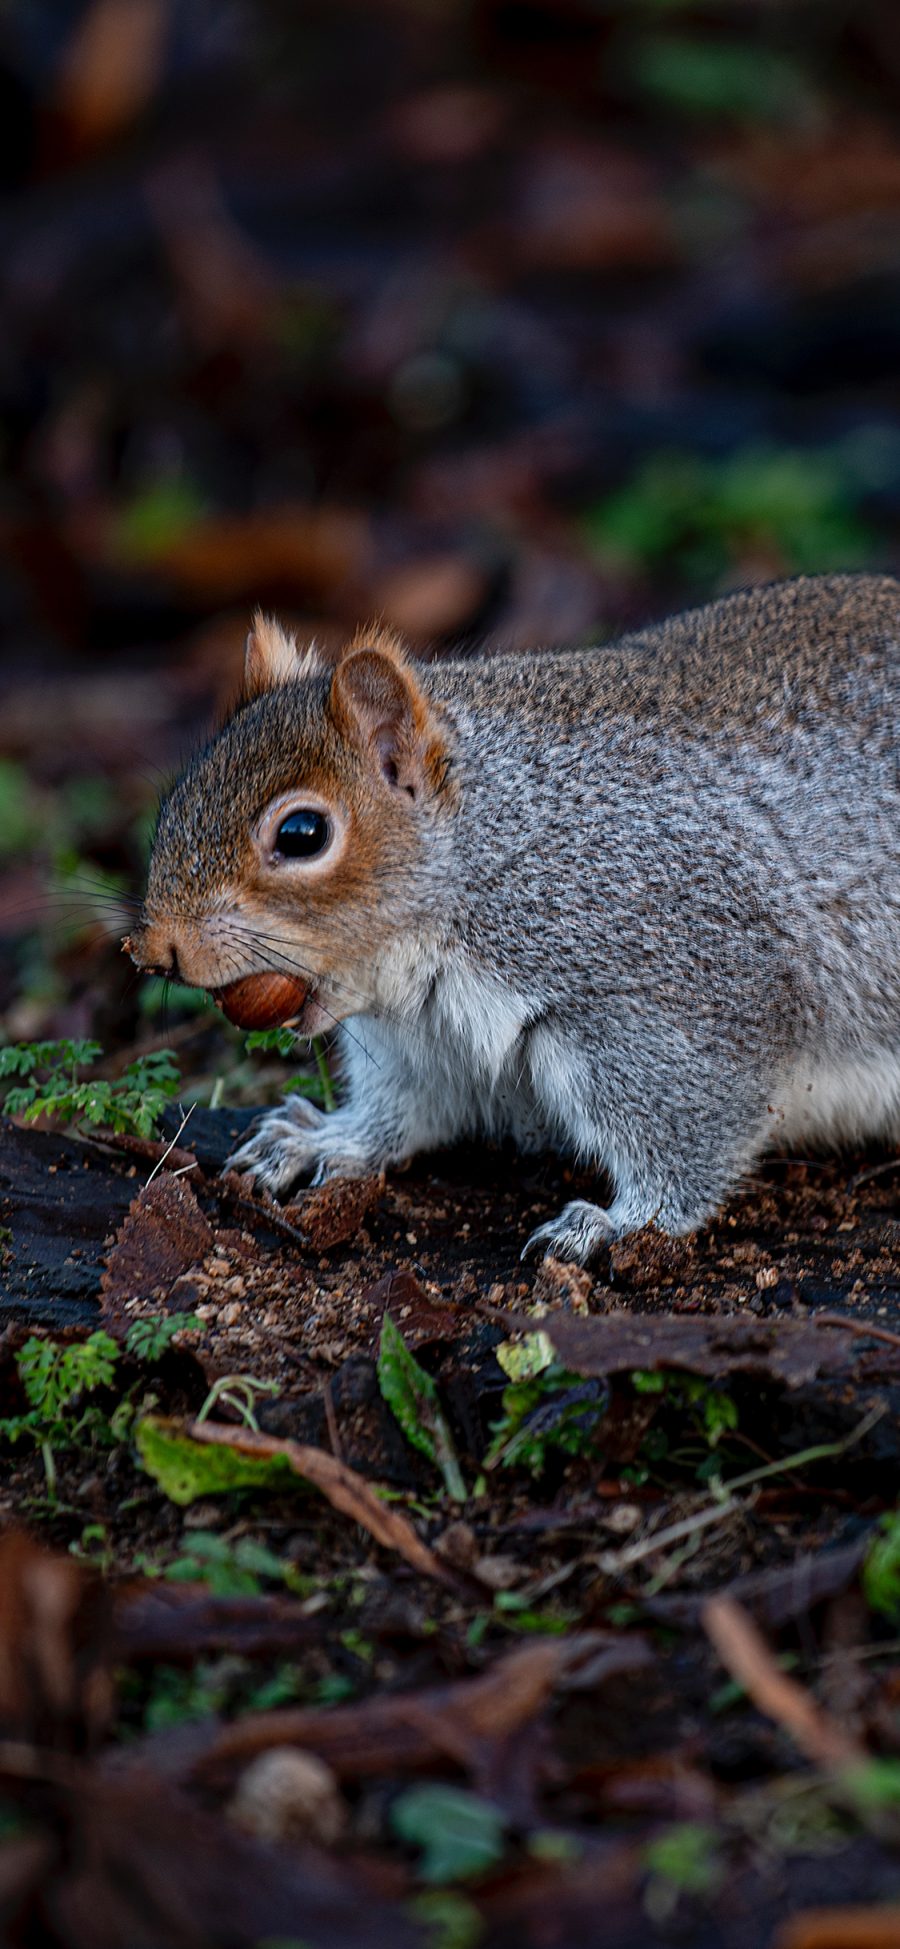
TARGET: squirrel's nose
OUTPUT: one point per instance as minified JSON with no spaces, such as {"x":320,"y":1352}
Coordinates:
{"x":152,"y":954}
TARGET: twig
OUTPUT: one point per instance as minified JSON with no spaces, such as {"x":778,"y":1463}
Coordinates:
{"x":865,"y":1331}
{"x":331,"y":1419}
{"x":874,"y":1171}
{"x":192,"y":1166}
{"x":612,"y":1562}
{"x":746,"y":1655}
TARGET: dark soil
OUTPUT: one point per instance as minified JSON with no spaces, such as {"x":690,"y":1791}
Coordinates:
{"x":627,"y":1732}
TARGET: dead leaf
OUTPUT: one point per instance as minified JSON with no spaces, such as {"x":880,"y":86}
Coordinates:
{"x":420,"y":1318}
{"x":110,"y":68}
{"x":432,"y":596}
{"x":310,"y":551}
{"x":54,"y":1631}
{"x":344,"y":1489}
{"x":164,"y":1234}
{"x":177,"y":1623}
{"x":841,"y":1928}
{"x":777,"y":1595}
{"x":139,"y":1866}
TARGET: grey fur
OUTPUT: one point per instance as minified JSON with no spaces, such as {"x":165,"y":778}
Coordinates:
{"x":659,"y":929}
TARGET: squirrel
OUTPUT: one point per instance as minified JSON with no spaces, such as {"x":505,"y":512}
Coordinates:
{"x":640,"y":903}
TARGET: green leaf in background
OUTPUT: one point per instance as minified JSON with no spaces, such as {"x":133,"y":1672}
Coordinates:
{"x":20,"y":812}
{"x":739,"y":80}
{"x":881,"y":1570}
{"x":706,"y":516}
{"x":459,"y":1834}
{"x":187,"y":1470}
{"x":413,"y":1400}
{"x":158,"y":516}
{"x":686,"y":1856}
{"x":232,"y":1569}
{"x":450,"y":1920}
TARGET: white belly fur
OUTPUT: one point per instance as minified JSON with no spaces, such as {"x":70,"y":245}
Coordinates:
{"x":836,"y":1103}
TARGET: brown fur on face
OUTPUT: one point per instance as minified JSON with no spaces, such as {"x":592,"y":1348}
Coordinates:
{"x":359,"y":741}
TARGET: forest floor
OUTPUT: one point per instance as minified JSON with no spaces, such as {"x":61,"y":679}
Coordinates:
{"x":621,"y":1644}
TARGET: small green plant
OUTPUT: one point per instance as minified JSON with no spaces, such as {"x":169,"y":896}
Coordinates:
{"x":238,"y":1392}
{"x":685,"y":1860}
{"x":735,"y":80}
{"x":449,"y":1919}
{"x":55,"y":1380}
{"x":53,"y":1084}
{"x":315,"y":1084}
{"x":148,"y":1340}
{"x":881,"y":1570}
{"x":180,"y":1697}
{"x":545,"y":1408}
{"x":459,"y":1834}
{"x":234,"y":1569}
{"x":414,"y":1401}
{"x":707,"y":1410}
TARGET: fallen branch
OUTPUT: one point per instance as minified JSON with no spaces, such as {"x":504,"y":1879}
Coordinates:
{"x":408,"y":1730}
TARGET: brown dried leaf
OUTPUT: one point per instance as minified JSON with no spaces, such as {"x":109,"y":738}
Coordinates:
{"x":420,"y":1318}
{"x":54,"y":1686}
{"x":111,"y":67}
{"x":778,"y":1594}
{"x":176,"y":1623}
{"x":134,"y":1865}
{"x":433,"y":596}
{"x":344,"y":1489}
{"x":746,"y":1655}
{"x":231,"y":557}
{"x":841,"y":1928}
{"x":164,"y":1234}
{"x":792,"y":1351}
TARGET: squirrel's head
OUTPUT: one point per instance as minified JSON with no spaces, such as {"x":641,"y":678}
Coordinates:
{"x":289,"y":854}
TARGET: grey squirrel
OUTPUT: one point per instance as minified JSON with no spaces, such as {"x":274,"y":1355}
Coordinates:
{"x":640,"y":902}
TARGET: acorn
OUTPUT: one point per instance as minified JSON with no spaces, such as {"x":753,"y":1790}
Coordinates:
{"x":262,"y":1001}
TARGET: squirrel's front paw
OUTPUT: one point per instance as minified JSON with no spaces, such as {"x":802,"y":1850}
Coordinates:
{"x":577,"y":1234}
{"x":286,"y":1144}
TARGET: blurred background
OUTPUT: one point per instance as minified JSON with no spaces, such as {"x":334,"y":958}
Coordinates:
{"x":517,"y":320}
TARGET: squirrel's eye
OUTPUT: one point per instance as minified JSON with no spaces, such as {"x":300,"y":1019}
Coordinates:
{"x":302,"y":834}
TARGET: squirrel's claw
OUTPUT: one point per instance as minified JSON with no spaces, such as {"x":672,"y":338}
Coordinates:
{"x":284,"y":1146}
{"x":575,"y":1236}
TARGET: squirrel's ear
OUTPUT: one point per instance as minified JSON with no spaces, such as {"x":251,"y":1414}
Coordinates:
{"x":272,"y":658}
{"x":376,"y":703}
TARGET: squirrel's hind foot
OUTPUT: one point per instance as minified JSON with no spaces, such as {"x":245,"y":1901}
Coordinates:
{"x":577,"y":1234}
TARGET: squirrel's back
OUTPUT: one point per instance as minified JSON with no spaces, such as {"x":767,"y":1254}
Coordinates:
{"x":813,"y":649}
